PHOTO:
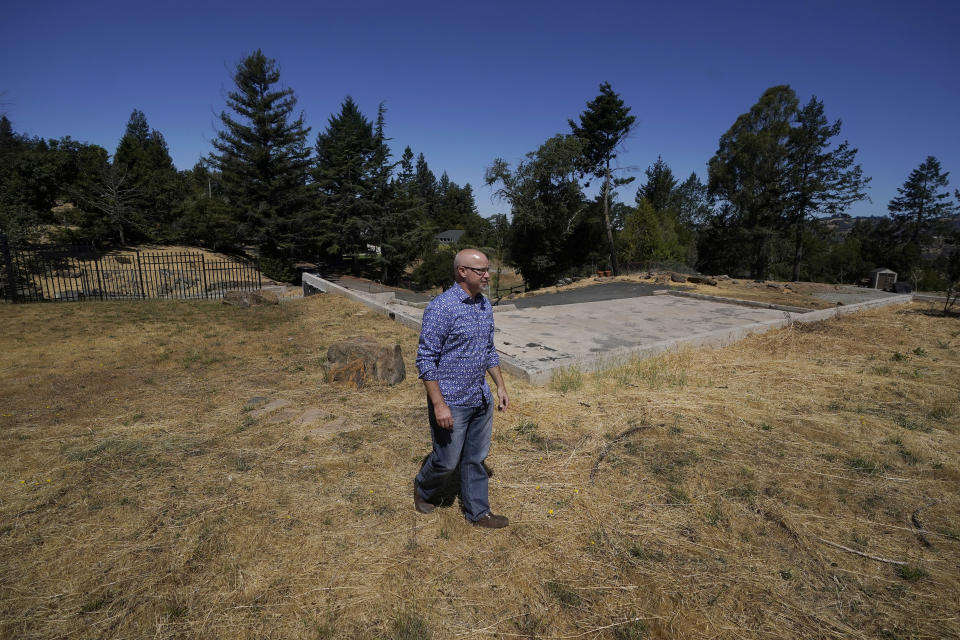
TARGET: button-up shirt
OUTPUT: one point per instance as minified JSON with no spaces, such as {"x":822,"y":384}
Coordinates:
{"x":456,"y":346}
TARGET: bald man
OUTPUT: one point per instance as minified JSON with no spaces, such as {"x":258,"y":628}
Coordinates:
{"x":454,"y":355}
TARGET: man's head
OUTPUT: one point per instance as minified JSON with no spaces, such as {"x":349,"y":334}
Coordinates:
{"x":471,"y":270}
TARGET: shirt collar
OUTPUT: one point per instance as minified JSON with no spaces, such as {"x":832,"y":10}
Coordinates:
{"x":464,"y":296}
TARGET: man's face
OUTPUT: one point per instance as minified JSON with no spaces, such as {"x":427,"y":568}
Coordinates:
{"x":475,"y":271}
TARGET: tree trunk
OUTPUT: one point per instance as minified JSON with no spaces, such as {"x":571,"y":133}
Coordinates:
{"x":606,"y":218}
{"x":798,"y":249}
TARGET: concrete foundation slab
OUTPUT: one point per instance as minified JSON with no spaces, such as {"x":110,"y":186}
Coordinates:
{"x":535,"y":342}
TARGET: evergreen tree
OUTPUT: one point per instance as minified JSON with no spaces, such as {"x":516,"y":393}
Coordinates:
{"x":34,"y":175}
{"x":346,"y":174}
{"x":642,"y":237}
{"x":603,"y":127}
{"x":660,"y":189}
{"x":262,"y":158}
{"x":143,"y":157}
{"x":108,"y":197}
{"x":404,"y":233}
{"x":549,"y":228}
{"x":669,"y":239}
{"x":694,"y":204}
{"x":921,"y":199}
{"x":426,"y":188}
{"x":749,"y":173}
{"x":204,"y":215}
{"x":821,"y":180}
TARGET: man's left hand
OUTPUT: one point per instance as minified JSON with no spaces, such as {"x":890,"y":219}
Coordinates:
{"x":503,"y":400}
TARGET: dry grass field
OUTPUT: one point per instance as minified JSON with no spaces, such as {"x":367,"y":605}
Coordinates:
{"x":764,"y":490}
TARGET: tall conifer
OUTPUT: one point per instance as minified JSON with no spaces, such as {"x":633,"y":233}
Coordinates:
{"x":603,"y":127}
{"x":262,"y":156}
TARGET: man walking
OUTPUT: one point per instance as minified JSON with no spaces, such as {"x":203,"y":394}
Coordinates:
{"x":455,"y":353}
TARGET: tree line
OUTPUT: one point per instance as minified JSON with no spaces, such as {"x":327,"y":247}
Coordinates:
{"x":776,"y":188}
{"x":343,"y":200}
{"x":778,"y":183}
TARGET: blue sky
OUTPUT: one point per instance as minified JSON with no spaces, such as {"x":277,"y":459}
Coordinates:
{"x":465,"y":83}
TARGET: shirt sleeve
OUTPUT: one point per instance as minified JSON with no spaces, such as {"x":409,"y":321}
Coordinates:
{"x":493,"y":358}
{"x":433,"y":332}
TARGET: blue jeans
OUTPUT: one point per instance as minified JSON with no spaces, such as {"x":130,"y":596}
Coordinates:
{"x":467,"y":445}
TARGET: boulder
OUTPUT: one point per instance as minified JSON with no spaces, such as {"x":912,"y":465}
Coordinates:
{"x":351,"y":374}
{"x":702,"y":280}
{"x":677,"y":277}
{"x":661,"y":278}
{"x":381,"y":362}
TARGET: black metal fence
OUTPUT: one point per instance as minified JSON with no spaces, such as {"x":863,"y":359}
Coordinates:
{"x":38,"y":273}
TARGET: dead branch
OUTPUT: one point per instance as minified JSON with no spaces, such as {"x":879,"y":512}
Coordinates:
{"x":921,"y":530}
{"x":860,"y":553}
{"x":610,"y":445}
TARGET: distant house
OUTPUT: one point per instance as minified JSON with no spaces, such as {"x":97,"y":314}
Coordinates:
{"x":450,"y":236}
{"x":883,"y":278}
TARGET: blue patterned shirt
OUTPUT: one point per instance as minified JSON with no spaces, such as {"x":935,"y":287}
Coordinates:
{"x":456,"y":347}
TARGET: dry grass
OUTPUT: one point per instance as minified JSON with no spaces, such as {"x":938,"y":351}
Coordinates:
{"x":140,"y":499}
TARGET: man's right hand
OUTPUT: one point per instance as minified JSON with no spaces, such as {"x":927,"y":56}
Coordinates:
{"x":441,"y":412}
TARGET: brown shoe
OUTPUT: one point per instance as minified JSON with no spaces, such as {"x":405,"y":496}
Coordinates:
{"x":419,"y":503}
{"x":491,"y":521}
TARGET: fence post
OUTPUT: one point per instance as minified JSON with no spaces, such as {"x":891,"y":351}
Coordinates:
{"x":96,"y":263}
{"x":203,"y":275}
{"x":11,"y":273}
{"x":143,"y":293}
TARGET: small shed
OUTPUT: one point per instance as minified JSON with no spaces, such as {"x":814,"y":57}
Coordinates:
{"x":450,"y":236}
{"x":883,"y":278}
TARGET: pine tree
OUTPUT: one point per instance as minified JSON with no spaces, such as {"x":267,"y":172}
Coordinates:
{"x":262,"y":157}
{"x":603,"y":127}
{"x":204,"y":215}
{"x":404,"y":234}
{"x":749,"y":173}
{"x":345,"y":173}
{"x":426,"y":188}
{"x":921,"y":199}
{"x":143,"y":158}
{"x":821,"y":180}
{"x":660,"y":189}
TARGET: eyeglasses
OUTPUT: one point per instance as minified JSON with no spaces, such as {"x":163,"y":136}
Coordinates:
{"x":477,"y":270}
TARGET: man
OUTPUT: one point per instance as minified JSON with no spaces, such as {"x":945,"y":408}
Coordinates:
{"x":455,"y":353}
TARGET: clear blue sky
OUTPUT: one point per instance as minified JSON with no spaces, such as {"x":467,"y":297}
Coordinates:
{"x":467,"y":82}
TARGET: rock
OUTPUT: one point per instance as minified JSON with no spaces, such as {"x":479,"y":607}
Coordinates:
{"x":381,"y":362}
{"x":351,"y":374}
{"x":702,"y":280}
{"x":255,"y":402}
{"x":237,"y":298}
{"x":771,"y":285}
{"x":677,"y":277}
{"x":662,"y":278}
{"x":311,"y":416}
{"x":270,"y":408}
{"x":337,"y":426}
{"x":282,"y":416}
{"x":266,"y":297}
